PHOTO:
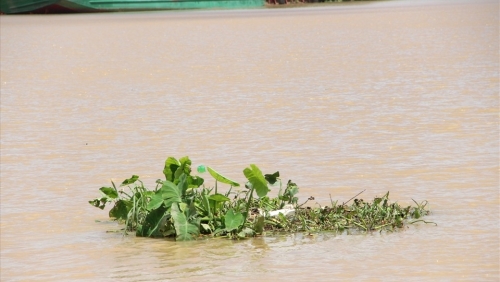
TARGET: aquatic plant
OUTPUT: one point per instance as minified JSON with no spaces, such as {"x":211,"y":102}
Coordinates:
{"x":182,"y":207}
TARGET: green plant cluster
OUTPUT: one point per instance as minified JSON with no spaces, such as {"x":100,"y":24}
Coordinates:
{"x":182,"y":207}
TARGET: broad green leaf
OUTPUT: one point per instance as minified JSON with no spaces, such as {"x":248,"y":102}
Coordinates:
{"x":194,"y":181}
{"x":171,"y":165}
{"x":218,"y":198}
{"x":184,"y":229}
{"x":109,"y":192}
{"x":119,"y":211}
{"x":152,"y":223}
{"x":130,"y":180}
{"x":185,"y":167}
{"x":156,"y":219}
{"x":259,"y":183}
{"x":233,"y":220}
{"x":272,"y":178}
{"x":155,"y":201}
{"x":170,"y":193}
{"x":221,"y":178}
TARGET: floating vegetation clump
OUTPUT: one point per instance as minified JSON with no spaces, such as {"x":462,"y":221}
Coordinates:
{"x":182,"y":207}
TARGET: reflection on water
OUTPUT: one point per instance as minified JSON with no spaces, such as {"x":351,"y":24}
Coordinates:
{"x":398,"y":96}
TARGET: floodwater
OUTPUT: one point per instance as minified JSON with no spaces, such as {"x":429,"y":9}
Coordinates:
{"x":398,"y":96}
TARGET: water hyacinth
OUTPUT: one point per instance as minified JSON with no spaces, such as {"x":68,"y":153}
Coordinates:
{"x":181,"y":207}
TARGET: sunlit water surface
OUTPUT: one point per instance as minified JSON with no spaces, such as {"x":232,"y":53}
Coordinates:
{"x":398,"y":96}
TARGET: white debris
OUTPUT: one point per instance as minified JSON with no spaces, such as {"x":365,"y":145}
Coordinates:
{"x":287,"y":210}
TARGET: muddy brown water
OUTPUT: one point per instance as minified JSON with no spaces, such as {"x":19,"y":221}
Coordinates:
{"x":398,"y":96}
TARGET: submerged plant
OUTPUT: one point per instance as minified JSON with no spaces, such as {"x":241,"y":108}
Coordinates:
{"x":182,"y":207}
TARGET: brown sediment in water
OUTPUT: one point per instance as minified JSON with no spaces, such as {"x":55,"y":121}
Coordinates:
{"x":398,"y":96}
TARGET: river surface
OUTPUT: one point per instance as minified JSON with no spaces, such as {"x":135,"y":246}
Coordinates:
{"x":398,"y":96}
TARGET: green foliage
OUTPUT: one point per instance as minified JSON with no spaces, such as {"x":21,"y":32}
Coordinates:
{"x":233,"y":220}
{"x":221,"y":178}
{"x":150,"y":227}
{"x":218,"y":198}
{"x":120,"y":210}
{"x":111,"y":193}
{"x":255,"y":177}
{"x":180,"y":207}
{"x":174,"y":168}
{"x":172,"y":193}
{"x":171,"y":166}
{"x":272,"y":178}
{"x":185,"y":230}
{"x":288,"y":196}
{"x":129,"y":181}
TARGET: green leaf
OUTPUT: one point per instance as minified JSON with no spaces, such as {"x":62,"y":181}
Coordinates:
{"x":156,"y":218}
{"x":171,"y":165}
{"x":170,"y":193}
{"x":109,"y":192}
{"x":184,"y":229}
{"x":221,"y":178}
{"x":130,"y":180}
{"x":272,"y":178}
{"x":194,"y":181}
{"x":233,"y":220}
{"x":255,"y":177}
{"x":185,"y":167}
{"x":119,"y":211}
{"x":155,"y":201}
{"x":152,"y":223}
{"x":148,"y":194}
{"x":218,"y":198}
{"x":97,"y":203}
{"x":205,"y":204}
{"x":182,"y":185}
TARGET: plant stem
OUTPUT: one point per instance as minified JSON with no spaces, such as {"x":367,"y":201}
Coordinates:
{"x":229,"y":192}
{"x":248,"y":206}
{"x":280,"y":196}
{"x":353,"y":197}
